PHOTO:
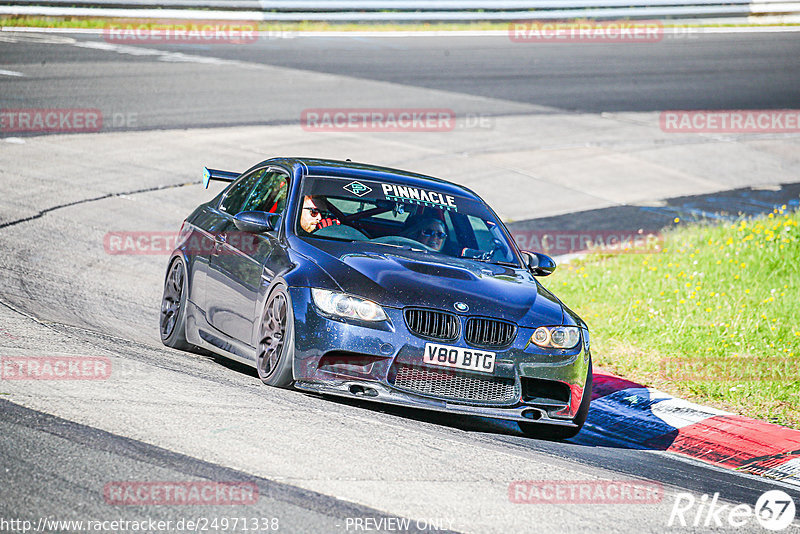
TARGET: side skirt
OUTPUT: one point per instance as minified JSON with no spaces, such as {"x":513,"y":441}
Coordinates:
{"x":202,"y":334}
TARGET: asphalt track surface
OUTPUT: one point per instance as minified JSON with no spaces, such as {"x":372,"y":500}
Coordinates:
{"x":482,"y":76}
{"x":166,"y":415}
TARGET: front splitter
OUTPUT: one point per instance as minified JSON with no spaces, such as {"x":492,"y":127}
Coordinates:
{"x":376,"y":392}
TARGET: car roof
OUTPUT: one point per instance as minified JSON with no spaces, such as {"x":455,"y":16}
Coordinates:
{"x":351,"y":169}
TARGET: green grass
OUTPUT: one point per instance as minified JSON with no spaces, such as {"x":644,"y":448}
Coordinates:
{"x":101,"y":22}
{"x":713,"y":317}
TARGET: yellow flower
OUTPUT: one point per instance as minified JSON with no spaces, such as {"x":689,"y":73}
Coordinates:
{"x":677,"y":220}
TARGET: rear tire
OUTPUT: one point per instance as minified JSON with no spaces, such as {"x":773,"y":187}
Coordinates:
{"x":172,"y":324}
{"x":552,"y":432}
{"x":275,"y":355}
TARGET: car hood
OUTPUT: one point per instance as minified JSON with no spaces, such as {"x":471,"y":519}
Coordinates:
{"x":400,"y":277}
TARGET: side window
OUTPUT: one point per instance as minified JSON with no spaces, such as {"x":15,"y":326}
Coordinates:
{"x":237,"y":194}
{"x":269,"y":194}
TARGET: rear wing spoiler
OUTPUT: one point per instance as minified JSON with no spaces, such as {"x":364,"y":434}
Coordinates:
{"x":217,"y":176}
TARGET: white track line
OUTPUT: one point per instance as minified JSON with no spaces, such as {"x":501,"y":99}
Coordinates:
{"x":10,"y":73}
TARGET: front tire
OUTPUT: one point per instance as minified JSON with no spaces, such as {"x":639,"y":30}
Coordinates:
{"x":172,"y":324}
{"x":557,"y":433}
{"x":275,"y":355}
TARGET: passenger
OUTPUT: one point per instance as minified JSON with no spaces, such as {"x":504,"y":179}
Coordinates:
{"x":430,"y":231}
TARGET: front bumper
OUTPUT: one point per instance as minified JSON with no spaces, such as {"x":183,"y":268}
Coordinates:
{"x":360,"y":360}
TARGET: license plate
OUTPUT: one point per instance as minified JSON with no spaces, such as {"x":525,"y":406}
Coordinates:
{"x":458,"y":357}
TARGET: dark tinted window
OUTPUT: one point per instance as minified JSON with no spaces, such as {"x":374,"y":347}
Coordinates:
{"x":239,"y":191}
{"x":424,"y":217}
{"x":269,"y":194}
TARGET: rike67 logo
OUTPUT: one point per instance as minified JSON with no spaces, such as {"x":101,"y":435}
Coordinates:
{"x":774,"y":510}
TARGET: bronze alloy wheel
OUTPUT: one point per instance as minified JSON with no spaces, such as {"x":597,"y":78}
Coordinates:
{"x":275,"y":350}
{"x":173,"y":304}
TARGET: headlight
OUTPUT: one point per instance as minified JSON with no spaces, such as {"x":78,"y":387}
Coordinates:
{"x":341,"y":305}
{"x":556,"y":337}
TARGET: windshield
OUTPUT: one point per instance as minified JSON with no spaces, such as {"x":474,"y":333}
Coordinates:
{"x":399,"y":215}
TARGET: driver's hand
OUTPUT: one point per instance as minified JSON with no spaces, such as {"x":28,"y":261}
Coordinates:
{"x":330,"y":221}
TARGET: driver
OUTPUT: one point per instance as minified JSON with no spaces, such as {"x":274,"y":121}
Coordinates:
{"x":430,"y":231}
{"x":311,"y":215}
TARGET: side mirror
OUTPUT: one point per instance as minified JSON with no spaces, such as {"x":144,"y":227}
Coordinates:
{"x":256,"y":222}
{"x":539,"y":264}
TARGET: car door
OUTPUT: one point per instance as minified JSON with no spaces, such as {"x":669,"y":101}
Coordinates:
{"x":236,"y":266}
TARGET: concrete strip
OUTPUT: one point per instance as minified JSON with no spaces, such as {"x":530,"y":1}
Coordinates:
{"x":676,"y":27}
{"x":523,"y":166}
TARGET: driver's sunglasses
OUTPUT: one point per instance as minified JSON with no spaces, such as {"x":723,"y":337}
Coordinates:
{"x":314,"y":211}
{"x":429,"y":232}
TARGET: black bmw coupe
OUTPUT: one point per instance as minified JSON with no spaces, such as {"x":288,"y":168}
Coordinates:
{"x":361,"y":281}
